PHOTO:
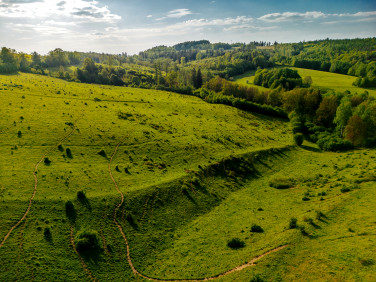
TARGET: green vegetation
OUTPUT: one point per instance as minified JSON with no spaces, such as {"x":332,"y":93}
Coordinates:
{"x":282,"y":77}
{"x":221,"y":175}
{"x":236,"y":243}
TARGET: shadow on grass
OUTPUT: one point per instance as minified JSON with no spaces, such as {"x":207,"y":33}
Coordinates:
{"x":311,"y":149}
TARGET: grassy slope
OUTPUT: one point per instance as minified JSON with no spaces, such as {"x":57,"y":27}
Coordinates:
{"x":168,"y":135}
{"x":199,"y":248}
{"x":334,"y":81}
{"x":182,"y":219}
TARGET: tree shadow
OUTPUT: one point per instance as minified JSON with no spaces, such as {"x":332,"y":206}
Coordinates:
{"x":311,"y":149}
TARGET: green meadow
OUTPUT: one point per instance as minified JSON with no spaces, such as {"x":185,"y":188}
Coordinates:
{"x":194,"y":176}
{"x":321,"y":79}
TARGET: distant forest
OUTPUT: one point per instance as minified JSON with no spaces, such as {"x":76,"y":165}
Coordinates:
{"x":335,"y":121}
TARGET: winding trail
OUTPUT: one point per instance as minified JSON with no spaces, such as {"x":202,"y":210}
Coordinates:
{"x":84,"y":266}
{"x":137,"y":273}
{"x":36,"y":182}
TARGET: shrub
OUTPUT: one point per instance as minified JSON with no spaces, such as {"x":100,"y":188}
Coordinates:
{"x":47,"y":234}
{"x":60,"y":148}
{"x":327,"y":142}
{"x":305,"y":198}
{"x":293,"y":223}
{"x":87,"y":242}
{"x":70,"y":211}
{"x":320,"y":215}
{"x":367,"y":262}
{"x":257,"y":278}
{"x":236,"y":243}
{"x":282,"y":182}
{"x":256,"y":228}
{"x":345,"y":189}
{"x":102,"y":153}
{"x":298,"y":138}
{"x":19,"y":134}
{"x":81,"y":196}
{"x":303,"y":231}
{"x":69,"y":153}
{"x":47,"y":161}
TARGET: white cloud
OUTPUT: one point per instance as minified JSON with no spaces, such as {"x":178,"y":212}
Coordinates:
{"x":178,"y":13}
{"x":70,"y":9}
{"x":314,"y":15}
{"x":291,"y":16}
{"x":149,"y":16}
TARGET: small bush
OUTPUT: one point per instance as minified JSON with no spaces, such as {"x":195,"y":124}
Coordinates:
{"x":69,"y":153}
{"x":320,"y":215}
{"x":367,"y":262}
{"x":19,"y":134}
{"x":47,"y":161}
{"x":345,"y":189}
{"x":47,"y":234}
{"x":60,"y":148}
{"x":257,"y":278}
{"x":81,"y":196}
{"x":303,"y":231}
{"x":87,"y":242}
{"x":102,"y":153}
{"x":236,"y":243}
{"x":305,"y":199}
{"x":282,"y":182}
{"x":293,"y":223}
{"x":70,"y":211}
{"x":256,"y":228}
{"x":298,"y":138}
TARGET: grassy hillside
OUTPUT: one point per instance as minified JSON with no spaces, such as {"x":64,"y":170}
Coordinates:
{"x":194,"y":176}
{"x":167,"y":136}
{"x":326,"y":80}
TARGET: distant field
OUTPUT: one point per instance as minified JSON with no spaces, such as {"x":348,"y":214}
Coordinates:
{"x":334,"y":81}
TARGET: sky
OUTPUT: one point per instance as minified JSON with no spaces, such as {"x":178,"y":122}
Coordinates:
{"x":135,"y":25}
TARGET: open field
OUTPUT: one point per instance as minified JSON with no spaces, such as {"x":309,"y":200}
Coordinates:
{"x":325,"y":80}
{"x":194,"y":176}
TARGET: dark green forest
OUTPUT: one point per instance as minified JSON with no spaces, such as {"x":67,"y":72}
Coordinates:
{"x":335,"y":121}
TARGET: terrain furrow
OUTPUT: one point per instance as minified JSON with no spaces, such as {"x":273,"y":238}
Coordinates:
{"x":36,"y":182}
{"x":129,"y":259}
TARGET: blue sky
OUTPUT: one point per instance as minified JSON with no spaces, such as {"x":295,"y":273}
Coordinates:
{"x":135,"y":25}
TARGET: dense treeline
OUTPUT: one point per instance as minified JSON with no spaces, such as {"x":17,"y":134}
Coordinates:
{"x":335,"y":121}
{"x":354,"y":57}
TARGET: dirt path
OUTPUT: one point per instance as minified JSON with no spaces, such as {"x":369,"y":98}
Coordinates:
{"x":36,"y":182}
{"x":137,"y":273}
{"x":84,"y":266}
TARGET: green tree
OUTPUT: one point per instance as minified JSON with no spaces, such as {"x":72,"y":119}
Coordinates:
{"x":199,"y":79}
{"x":327,"y":111}
{"x":36,"y":60}
{"x":355,"y":130}
{"x":343,"y":114}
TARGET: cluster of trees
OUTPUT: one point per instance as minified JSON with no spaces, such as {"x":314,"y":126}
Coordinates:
{"x":335,"y":121}
{"x":285,"y":78}
{"x":352,"y":57}
{"x":91,"y":73}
